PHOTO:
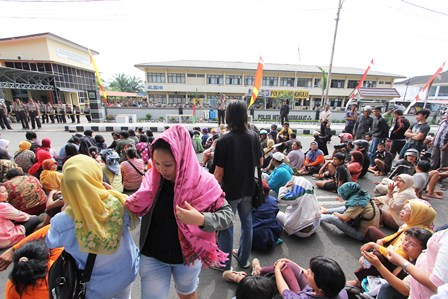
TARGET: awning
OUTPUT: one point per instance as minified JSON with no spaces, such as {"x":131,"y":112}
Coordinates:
{"x":68,"y":89}
{"x":376,"y":93}
{"x":12,"y":78}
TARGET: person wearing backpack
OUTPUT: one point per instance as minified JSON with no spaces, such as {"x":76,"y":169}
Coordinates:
{"x":96,"y":221}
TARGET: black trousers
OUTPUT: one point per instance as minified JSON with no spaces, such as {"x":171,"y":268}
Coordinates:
{"x":35,"y":119}
{"x":283,"y":118}
{"x":23,"y":119}
{"x":4,"y":122}
{"x":221,"y":116}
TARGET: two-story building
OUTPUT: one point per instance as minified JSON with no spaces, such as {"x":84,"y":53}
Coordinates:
{"x":174,"y":83}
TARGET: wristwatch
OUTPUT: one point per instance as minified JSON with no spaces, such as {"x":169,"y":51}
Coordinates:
{"x":407,"y":263}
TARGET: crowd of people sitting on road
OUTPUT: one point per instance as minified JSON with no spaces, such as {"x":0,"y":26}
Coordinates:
{"x":87,"y":197}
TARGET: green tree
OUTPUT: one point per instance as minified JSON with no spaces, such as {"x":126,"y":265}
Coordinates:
{"x":123,"y":82}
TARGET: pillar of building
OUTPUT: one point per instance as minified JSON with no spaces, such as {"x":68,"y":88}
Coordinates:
{"x":96,"y":108}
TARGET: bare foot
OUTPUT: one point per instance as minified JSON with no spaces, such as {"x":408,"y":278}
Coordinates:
{"x":323,"y":210}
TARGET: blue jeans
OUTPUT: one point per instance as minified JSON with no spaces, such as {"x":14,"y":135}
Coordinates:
{"x":156,"y":277}
{"x":373,"y":147}
{"x":225,"y":237}
{"x":388,"y":292}
{"x":342,"y":225}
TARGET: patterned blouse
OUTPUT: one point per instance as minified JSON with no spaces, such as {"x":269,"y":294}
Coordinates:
{"x":5,"y":165}
{"x":24,"y":159}
{"x":25,"y":192}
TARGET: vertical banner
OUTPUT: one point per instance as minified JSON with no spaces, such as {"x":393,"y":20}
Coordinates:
{"x":257,"y":83}
{"x":103,"y":91}
{"x":356,"y":91}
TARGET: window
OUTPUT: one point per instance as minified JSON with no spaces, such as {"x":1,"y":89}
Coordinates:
{"x":215,"y":79}
{"x":443,"y":91}
{"x":176,"y":78}
{"x":287,"y":82}
{"x":249,"y":80}
{"x":337,"y":83}
{"x":270,"y":81}
{"x":155,"y":77}
{"x":304,"y":82}
{"x":233,"y":80}
{"x":176,"y":99}
{"x":317,"y":82}
{"x":380,"y":82}
{"x":432,"y":91}
{"x":157,"y":98}
{"x":369,"y":84}
{"x":195,"y":75}
{"x":352,"y":84}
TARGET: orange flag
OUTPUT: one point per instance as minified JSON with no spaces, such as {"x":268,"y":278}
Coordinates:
{"x":257,"y":83}
{"x":103,"y":91}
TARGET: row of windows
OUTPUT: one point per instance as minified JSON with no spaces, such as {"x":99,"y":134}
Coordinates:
{"x":249,"y":80}
{"x":443,"y":91}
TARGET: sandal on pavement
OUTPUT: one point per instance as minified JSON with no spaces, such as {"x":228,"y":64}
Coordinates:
{"x":233,"y":276}
{"x":256,"y":267}
{"x":235,"y":255}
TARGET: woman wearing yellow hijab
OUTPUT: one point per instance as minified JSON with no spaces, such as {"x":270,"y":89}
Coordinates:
{"x":418,"y":216}
{"x":24,"y":157}
{"x":96,"y":221}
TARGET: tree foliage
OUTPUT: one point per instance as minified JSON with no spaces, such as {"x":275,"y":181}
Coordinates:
{"x":125,"y":83}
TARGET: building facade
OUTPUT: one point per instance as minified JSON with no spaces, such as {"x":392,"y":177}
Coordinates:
{"x":47,"y":68}
{"x":174,"y":83}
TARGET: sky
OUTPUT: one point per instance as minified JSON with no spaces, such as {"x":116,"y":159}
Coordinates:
{"x":404,"y":37}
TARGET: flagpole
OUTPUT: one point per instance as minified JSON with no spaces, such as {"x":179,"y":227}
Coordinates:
{"x":332,"y":52}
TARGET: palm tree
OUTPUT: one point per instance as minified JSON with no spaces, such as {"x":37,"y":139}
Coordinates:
{"x":123,"y":82}
{"x":323,"y":83}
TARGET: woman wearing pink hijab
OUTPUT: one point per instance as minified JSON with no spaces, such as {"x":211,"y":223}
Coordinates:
{"x":182,"y":206}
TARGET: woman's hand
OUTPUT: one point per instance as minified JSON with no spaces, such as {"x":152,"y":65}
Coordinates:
{"x":107,"y":186}
{"x":190,"y":215}
{"x":368,"y":246}
{"x":390,"y":187}
{"x":380,"y":242}
{"x":371,"y":258}
{"x":395,"y":258}
{"x":6,"y":259}
{"x":279,"y":264}
{"x":340,"y":199}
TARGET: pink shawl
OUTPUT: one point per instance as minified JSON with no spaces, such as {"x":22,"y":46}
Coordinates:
{"x":194,"y":185}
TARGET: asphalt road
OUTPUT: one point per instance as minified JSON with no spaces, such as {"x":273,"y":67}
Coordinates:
{"x":327,"y":241}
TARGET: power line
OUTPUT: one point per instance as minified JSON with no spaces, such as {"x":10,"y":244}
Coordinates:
{"x":55,"y":1}
{"x":425,"y":8}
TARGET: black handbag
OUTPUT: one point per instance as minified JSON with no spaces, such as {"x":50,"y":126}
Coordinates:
{"x":66,"y":281}
{"x":258,"y":198}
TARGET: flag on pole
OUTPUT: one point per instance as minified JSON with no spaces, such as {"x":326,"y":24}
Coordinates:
{"x":356,"y":91}
{"x":417,"y":97}
{"x":257,"y":83}
{"x":103,"y":91}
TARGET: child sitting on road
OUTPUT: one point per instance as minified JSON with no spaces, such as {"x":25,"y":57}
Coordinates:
{"x":341,"y":175}
{"x":324,"y":279}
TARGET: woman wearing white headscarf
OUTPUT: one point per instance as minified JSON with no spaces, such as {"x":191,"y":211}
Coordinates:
{"x":392,"y":203}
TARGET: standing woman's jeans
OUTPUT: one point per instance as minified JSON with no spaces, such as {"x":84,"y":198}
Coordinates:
{"x":342,"y":225}
{"x":156,"y":277}
{"x":225,"y":237}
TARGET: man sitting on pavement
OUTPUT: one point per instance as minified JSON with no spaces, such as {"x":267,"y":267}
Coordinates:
{"x":342,"y":175}
{"x":285,"y":133}
{"x":383,"y":161}
{"x":280,"y":176}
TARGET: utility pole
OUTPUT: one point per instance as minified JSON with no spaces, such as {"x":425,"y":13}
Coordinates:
{"x":341,"y":2}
